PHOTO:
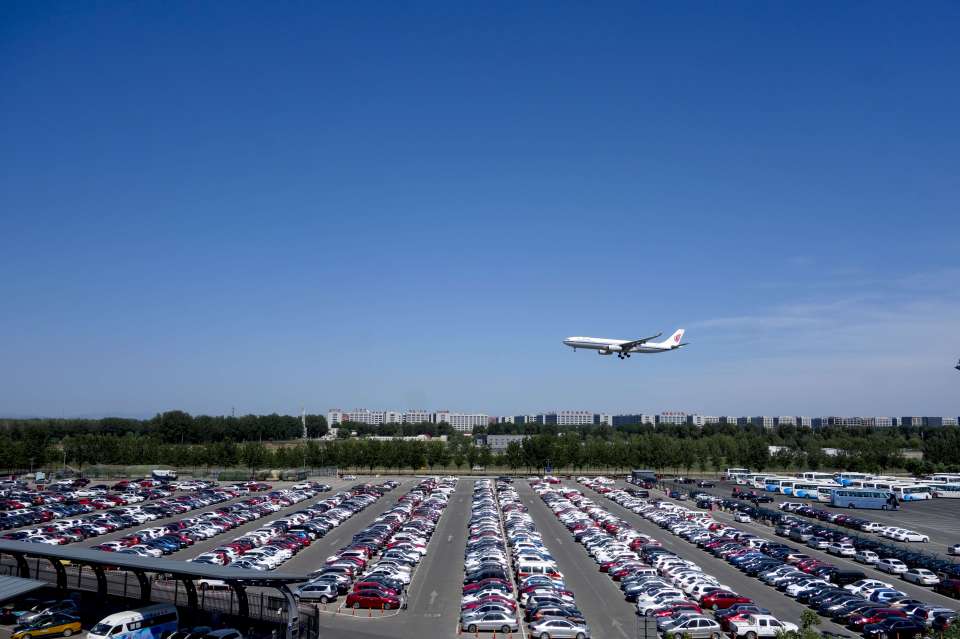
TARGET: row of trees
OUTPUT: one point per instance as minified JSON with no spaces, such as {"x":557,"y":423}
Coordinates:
{"x":568,"y":450}
{"x":173,"y":427}
{"x":176,"y":438}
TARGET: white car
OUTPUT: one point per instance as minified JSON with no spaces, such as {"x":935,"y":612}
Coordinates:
{"x":842,"y":549}
{"x":954,"y":549}
{"x":892,"y":566}
{"x":866,"y":557}
{"x":858,"y":587}
{"x":742,"y":518}
{"x":912,"y":535}
{"x":920,"y":576}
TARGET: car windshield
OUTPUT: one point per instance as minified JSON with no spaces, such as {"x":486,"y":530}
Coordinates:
{"x":100,"y":629}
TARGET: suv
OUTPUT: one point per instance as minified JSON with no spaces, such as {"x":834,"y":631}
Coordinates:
{"x":761,"y":626}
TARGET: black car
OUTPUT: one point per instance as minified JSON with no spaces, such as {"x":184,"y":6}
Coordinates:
{"x":894,"y":627}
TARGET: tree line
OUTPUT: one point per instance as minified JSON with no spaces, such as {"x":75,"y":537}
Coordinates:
{"x":177,"y":439}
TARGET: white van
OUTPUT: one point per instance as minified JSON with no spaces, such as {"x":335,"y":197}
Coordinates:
{"x":151,"y":622}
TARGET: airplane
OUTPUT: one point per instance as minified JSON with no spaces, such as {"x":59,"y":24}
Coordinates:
{"x":624,"y":347}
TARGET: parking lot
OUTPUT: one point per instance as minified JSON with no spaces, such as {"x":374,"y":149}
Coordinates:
{"x":938,"y":518}
{"x":433,"y":597}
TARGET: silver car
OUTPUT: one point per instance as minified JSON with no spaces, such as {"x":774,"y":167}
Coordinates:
{"x":559,"y":629}
{"x":322,"y":591}
{"x":491,"y":621}
{"x":697,"y":627}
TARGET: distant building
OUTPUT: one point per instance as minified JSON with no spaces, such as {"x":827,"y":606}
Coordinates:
{"x":416,"y":417}
{"x":499,"y":443}
{"x":672,"y":418}
{"x":574,"y":418}
{"x":462,"y":422}
{"x":764,"y":421}
{"x":785,"y":420}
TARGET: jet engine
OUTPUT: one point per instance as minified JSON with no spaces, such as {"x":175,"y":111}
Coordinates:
{"x":604,"y":352}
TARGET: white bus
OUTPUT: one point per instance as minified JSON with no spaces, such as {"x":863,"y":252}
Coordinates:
{"x":825,"y":493}
{"x":805,"y":489}
{"x":812,"y":476}
{"x":844,"y":479}
{"x":912,"y":492}
{"x":734,"y":474}
{"x":946,"y":491}
{"x":777,"y":484}
{"x":949,"y":479}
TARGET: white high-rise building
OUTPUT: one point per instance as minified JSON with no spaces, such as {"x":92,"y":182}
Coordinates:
{"x":574,"y":418}
{"x":461,"y":422}
{"x":417,"y":416}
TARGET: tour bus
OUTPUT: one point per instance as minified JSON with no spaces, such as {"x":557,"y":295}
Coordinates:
{"x":752,"y":479}
{"x":734,"y":474}
{"x":786,"y":486}
{"x":912,"y":492}
{"x":812,"y":476}
{"x":805,"y":489}
{"x":845,"y":478}
{"x":860,"y":498}
{"x":825,"y":493}
{"x":948,"y":479}
{"x":773,"y":484}
{"x":946,"y":491}
{"x":151,"y":622}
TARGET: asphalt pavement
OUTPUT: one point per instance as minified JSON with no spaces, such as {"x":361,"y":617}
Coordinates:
{"x":923,"y":593}
{"x":780,"y":605}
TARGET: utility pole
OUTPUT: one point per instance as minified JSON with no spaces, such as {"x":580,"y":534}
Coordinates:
{"x":303,"y":419}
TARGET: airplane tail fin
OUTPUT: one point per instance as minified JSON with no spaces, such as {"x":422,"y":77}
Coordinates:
{"x":674,"y":340}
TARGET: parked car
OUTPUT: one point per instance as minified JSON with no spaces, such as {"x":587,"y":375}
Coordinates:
{"x":758,"y":625}
{"x":891,"y":565}
{"x":559,"y":629}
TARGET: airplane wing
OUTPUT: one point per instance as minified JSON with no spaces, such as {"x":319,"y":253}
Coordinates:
{"x":626,"y":346}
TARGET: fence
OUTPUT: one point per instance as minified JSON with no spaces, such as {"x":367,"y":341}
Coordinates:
{"x":267,"y":613}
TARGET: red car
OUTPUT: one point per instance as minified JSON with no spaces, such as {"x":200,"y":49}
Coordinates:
{"x":376,"y":599}
{"x":497,"y":599}
{"x":374,"y":585}
{"x":723,"y":599}
{"x":677,"y":608}
{"x":857,"y":622}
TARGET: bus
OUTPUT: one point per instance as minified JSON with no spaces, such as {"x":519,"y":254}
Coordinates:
{"x":811,"y":476}
{"x":946,"y":491}
{"x":151,"y":622}
{"x":805,"y":489}
{"x":860,"y":498}
{"x":824,"y":493}
{"x":845,"y":478}
{"x":772,"y":484}
{"x":912,"y":492}
{"x":949,"y":479}
{"x":786,"y":486}
{"x":734,"y":474}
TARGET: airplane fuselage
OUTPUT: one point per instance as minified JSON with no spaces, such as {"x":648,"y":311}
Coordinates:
{"x":611,"y":346}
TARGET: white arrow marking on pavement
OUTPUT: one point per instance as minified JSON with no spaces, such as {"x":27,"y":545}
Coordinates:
{"x":433,"y":596}
{"x":449,"y":538}
{"x":618,"y":626}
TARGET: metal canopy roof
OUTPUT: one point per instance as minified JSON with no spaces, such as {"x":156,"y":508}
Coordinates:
{"x":148,"y":564}
{"x":13,"y":587}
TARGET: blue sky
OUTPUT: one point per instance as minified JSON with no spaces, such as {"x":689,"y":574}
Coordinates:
{"x":263,"y":206}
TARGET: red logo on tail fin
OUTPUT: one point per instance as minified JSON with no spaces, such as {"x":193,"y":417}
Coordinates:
{"x":676,"y":338}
